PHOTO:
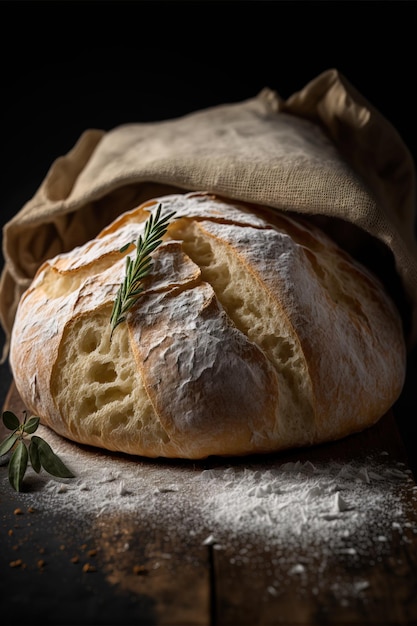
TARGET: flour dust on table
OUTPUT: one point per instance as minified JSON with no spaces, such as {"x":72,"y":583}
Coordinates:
{"x":301,"y":514}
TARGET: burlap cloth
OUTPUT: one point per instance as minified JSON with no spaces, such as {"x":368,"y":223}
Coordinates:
{"x":325,"y":152}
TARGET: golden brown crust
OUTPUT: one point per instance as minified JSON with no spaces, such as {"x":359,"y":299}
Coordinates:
{"x":254,"y":333}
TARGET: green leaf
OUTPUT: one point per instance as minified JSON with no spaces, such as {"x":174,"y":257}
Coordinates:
{"x":34,"y":455}
{"x":31,"y":425}
{"x":50,"y":461}
{"x":126,"y":246}
{"x":10,"y":420}
{"x":8,"y":443}
{"x":18,"y":465}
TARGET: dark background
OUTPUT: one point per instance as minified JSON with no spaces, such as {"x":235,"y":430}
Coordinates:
{"x":69,"y":66}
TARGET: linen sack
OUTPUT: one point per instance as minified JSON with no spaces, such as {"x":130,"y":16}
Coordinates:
{"x":325,"y":152}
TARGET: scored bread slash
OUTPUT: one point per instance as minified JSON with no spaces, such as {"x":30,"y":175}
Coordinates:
{"x":254,"y":333}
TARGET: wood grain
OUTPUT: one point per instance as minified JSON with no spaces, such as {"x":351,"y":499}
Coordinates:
{"x":186,"y":583}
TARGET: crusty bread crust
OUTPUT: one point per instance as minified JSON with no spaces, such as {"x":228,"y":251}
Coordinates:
{"x":255,"y":333}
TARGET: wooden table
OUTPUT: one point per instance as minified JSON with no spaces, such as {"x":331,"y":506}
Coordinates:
{"x":117,"y":568}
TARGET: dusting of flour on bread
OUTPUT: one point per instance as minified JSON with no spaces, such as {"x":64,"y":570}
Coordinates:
{"x":254,"y":333}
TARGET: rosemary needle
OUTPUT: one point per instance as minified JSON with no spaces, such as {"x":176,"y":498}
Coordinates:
{"x":139,"y":268}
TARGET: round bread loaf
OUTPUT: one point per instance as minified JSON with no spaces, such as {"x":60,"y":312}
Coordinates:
{"x":254,"y":333}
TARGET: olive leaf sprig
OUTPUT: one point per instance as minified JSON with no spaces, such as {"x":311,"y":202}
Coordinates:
{"x":139,"y":268}
{"x":36,"y":450}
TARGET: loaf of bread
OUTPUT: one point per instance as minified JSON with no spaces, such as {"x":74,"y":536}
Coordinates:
{"x":254,"y":333}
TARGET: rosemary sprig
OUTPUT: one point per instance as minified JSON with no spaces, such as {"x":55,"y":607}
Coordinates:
{"x":138,"y":269}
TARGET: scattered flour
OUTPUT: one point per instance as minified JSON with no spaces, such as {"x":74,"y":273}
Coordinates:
{"x":303,"y":514}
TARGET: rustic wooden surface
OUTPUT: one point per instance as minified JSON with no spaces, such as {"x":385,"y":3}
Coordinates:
{"x":197,"y":585}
